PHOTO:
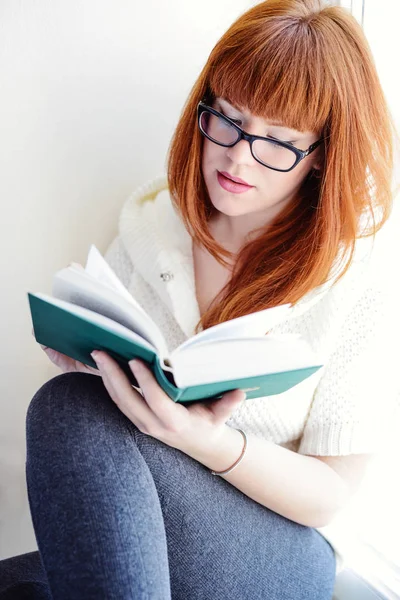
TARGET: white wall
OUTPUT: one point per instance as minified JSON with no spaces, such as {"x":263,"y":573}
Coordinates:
{"x":81,"y":81}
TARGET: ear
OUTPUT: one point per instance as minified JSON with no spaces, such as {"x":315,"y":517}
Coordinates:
{"x":317,"y":161}
{"x":318,"y":156}
{"x":316,"y":171}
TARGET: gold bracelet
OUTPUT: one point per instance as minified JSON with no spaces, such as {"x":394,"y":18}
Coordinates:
{"x":238,"y":460}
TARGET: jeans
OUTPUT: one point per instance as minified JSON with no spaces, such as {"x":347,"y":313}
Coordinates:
{"x":119,"y":515}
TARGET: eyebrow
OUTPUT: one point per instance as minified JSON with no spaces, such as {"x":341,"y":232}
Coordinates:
{"x":273,"y":122}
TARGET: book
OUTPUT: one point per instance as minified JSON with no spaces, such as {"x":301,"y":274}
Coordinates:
{"x":90,"y":309}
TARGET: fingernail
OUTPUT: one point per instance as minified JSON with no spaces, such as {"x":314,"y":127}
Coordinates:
{"x":135,"y":366}
{"x":96,"y":357}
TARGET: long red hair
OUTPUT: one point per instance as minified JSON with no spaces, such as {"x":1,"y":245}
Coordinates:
{"x":310,"y":66}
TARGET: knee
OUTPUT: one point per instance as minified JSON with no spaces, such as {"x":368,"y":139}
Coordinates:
{"x":71,"y":424}
{"x":72,"y":409}
{"x":63,"y":398}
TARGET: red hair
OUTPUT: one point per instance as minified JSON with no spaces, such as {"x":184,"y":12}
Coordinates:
{"x":311,"y":67}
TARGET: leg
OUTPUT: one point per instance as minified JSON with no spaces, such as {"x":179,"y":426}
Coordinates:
{"x":95,"y":509}
{"x":22,"y":577}
{"x":222,"y":545}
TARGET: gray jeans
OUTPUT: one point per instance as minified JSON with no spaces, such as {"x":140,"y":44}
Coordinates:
{"x":119,"y":515}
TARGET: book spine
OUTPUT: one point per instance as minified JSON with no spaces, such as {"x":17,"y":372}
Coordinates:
{"x":168,"y":386}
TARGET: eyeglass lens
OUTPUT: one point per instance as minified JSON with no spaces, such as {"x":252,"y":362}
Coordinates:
{"x":223,"y":133}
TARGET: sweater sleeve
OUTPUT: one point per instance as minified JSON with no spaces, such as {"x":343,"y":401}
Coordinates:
{"x":357,"y":397}
{"x":119,"y":260}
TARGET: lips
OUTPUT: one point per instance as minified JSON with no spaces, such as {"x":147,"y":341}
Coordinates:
{"x":235,"y":179}
{"x":232,"y":186}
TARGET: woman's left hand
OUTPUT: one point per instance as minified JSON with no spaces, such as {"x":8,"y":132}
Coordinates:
{"x":156,"y":414}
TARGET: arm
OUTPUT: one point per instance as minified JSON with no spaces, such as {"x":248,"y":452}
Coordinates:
{"x":305,"y":489}
{"x":351,"y":410}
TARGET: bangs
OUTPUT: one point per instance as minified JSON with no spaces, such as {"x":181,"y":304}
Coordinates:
{"x":278,"y":73}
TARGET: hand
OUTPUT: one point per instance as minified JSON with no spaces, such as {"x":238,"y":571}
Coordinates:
{"x":66,"y":363}
{"x":76,"y":266}
{"x":156,"y":414}
{"x":62,"y":361}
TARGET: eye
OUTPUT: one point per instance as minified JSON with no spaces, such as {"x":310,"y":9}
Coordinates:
{"x":219,"y":108}
{"x":237,"y":121}
{"x":286,"y":142}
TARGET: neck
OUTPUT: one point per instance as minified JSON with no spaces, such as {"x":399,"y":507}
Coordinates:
{"x":233,"y":232}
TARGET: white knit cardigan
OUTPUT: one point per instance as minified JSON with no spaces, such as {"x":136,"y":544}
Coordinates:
{"x":344,"y":408}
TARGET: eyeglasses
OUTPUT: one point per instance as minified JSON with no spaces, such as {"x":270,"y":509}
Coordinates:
{"x":271,"y":153}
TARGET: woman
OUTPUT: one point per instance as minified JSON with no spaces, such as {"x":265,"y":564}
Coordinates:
{"x":279,"y":174}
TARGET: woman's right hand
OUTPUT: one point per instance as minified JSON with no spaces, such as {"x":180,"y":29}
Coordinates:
{"x":64,"y":362}
{"x":68,"y":364}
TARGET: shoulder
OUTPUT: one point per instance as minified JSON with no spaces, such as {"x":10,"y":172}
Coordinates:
{"x":135,"y":221}
{"x":366,"y":278}
{"x":349,"y":310}
{"x":146,"y":193}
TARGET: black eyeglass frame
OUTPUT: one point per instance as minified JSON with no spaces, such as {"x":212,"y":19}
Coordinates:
{"x":243,"y":135}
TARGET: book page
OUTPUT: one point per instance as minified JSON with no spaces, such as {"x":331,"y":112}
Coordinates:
{"x":80,"y":288}
{"x":252,"y":325}
{"x":98,"y":319}
{"x":223,"y":360}
{"x":98,"y":267}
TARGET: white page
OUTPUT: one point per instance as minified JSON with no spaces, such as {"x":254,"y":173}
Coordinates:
{"x":251,"y":325}
{"x":80,"y":288}
{"x":94,"y":317}
{"x":98,"y":267}
{"x":222,"y":360}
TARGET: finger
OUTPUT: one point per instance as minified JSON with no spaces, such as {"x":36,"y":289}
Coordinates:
{"x":130,"y":402}
{"x":156,"y":398}
{"x":223,"y":408}
{"x":76,"y":266}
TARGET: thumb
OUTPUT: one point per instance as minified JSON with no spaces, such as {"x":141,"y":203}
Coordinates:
{"x":225,"y":406}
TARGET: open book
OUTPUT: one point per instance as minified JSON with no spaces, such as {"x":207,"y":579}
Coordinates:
{"x":90,"y":309}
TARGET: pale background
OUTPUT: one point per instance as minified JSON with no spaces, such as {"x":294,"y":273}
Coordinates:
{"x":91,"y":91}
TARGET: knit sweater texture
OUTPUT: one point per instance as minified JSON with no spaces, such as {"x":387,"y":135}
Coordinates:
{"x":346,"y":407}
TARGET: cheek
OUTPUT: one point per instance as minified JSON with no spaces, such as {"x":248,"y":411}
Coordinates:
{"x":207,"y":152}
{"x":295,"y":177}
{"x":212,"y":155}
{"x":278,"y":185}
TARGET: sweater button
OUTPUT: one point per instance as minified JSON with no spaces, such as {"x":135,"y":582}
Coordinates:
{"x":167,"y":276}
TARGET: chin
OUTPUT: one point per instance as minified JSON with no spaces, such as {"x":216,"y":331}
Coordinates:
{"x":229,"y":206}
{"x":228,"y":203}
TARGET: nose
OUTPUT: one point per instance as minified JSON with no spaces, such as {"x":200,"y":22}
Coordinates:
{"x":240,"y":153}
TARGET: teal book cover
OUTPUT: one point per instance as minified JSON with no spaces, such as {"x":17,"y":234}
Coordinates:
{"x":77,"y":336}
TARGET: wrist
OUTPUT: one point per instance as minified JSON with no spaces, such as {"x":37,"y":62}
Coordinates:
{"x":219,"y":450}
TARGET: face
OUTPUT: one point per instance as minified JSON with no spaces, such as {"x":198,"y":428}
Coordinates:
{"x":270,"y":190}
